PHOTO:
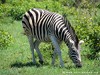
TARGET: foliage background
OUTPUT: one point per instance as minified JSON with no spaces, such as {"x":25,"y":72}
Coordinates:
{"x":84,"y":16}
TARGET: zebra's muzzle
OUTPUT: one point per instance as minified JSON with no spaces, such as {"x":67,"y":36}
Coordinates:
{"x":78,"y":65}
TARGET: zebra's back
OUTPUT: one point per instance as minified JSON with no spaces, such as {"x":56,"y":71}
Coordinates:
{"x":40,"y":23}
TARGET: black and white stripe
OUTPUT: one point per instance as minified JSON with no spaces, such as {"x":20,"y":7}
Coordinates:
{"x":41,"y":24}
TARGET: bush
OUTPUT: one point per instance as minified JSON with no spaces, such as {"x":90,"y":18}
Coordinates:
{"x":87,"y":28}
{"x":95,"y":42}
{"x":17,"y":13}
{"x":16,"y":8}
{"x":4,"y":8}
{"x":5,"y":39}
{"x":47,"y":51}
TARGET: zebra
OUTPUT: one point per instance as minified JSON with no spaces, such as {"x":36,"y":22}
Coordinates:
{"x":44,"y":26}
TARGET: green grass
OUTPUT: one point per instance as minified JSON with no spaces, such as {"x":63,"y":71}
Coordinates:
{"x":16,"y":59}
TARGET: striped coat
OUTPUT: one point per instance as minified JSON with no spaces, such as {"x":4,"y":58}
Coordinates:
{"x":48,"y":26}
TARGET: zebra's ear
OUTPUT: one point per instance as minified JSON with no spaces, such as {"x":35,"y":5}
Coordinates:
{"x":79,"y":45}
{"x":81,"y":42}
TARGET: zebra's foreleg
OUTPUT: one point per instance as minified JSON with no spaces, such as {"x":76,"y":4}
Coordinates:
{"x":54,"y":55}
{"x":57,"y":49}
{"x":30,"y":39}
{"x":36,"y":44}
{"x":53,"y":58}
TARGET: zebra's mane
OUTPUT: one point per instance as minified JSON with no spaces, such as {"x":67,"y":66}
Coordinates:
{"x":72,"y":32}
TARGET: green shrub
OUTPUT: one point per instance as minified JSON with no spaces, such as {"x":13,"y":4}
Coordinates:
{"x":47,"y":51}
{"x":98,"y":6}
{"x":95,"y":42}
{"x":68,"y":3}
{"x":4,"y":8}
{"x":17,"y":12}
{"x":87,"y":28}
{"x":18,"y":9}
{"x":5,"y":39}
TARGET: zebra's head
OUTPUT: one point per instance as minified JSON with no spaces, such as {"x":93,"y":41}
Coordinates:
{"x":74,"y":52}
{"x":73,"y":44}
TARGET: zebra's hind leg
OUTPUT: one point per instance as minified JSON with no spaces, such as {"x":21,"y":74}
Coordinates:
{"x":30,"y":39}
{"x":57,"y":48}
{"x":36,"y":44}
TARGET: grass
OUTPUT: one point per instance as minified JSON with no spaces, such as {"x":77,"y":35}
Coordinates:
{"x":16,"y":59}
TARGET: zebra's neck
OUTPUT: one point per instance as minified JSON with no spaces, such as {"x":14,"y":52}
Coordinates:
{"x":70,"y":34}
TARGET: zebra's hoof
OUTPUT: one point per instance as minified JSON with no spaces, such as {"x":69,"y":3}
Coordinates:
{"x":41,"y":62}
